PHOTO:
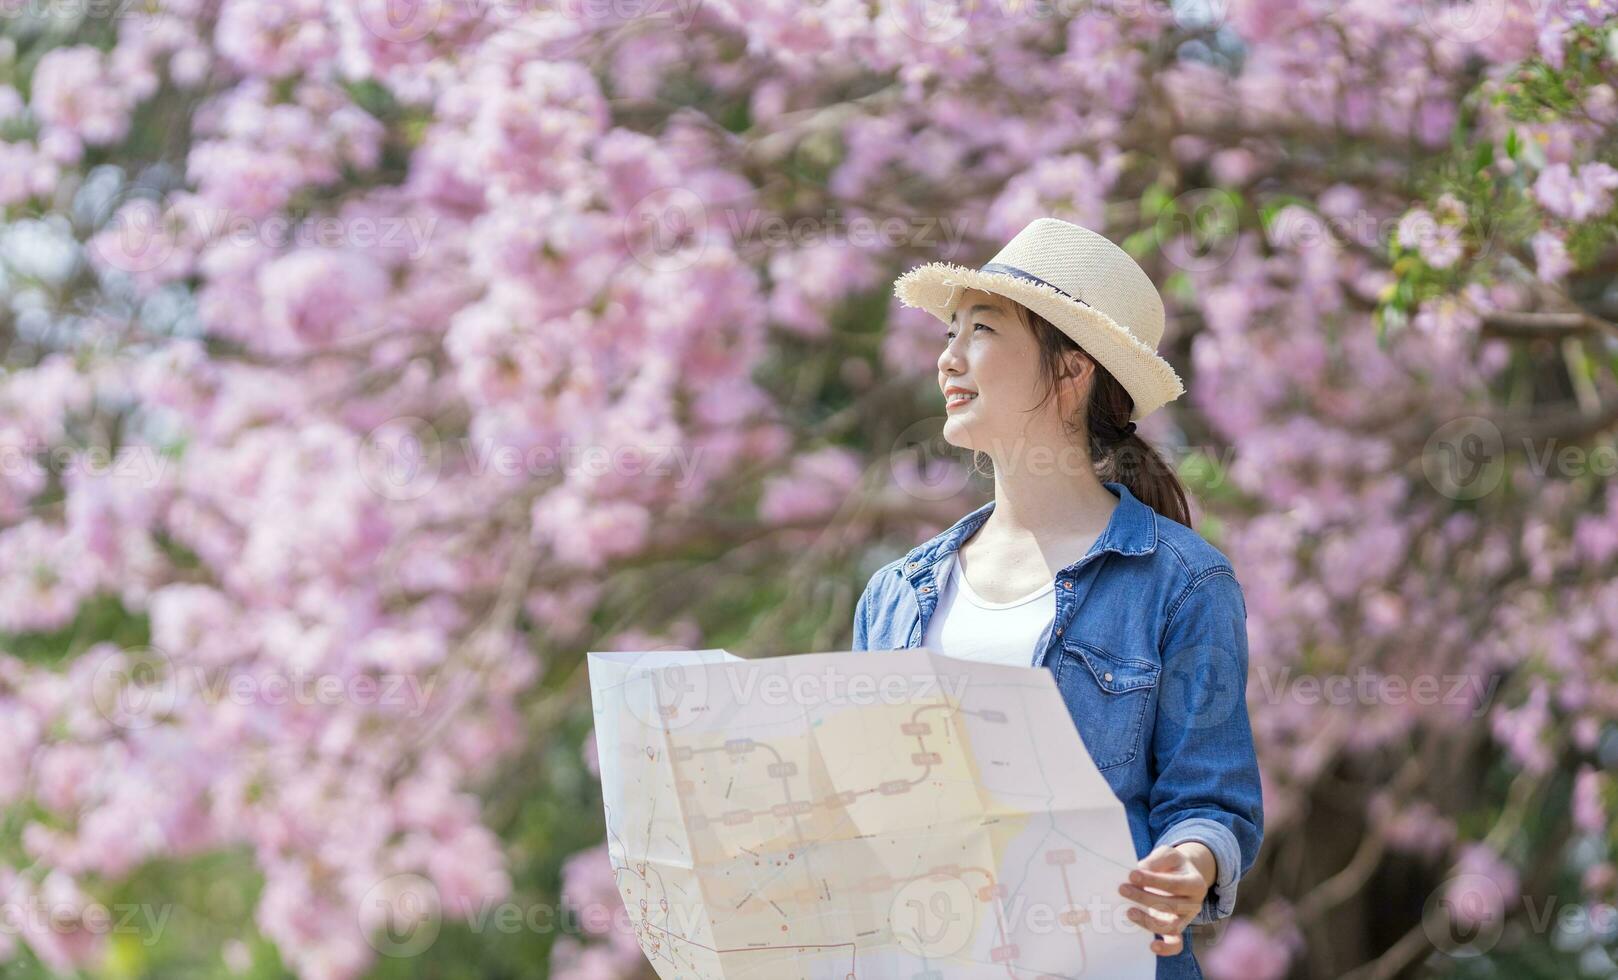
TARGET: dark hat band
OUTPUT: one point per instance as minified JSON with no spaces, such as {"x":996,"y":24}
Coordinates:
{"x":1010,"y":270}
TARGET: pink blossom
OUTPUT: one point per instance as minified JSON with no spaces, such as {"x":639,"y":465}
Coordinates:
{"x":1599,"y":878}
{"x":1522,"y":730}
{"x":1480,"y":887}
{"x":1576,"y":197}
{"x":77,"y":95}
{"x":1443,"y":249}
{"x":19,"y":733}
{"x":316,"y":297}
{"x":44,"y":575}
{"x":1438,"y":242}
{"x":810,"y":280}
{"x":1245,"y":951}
{"x":1073,"y":187}
{"x":1595,"y":536}
{"x":1589,"y":804}
{"x":633,"y":166}
{"x":526,"y":295}
{"x":817,"y":484}
{"x":1415,"y":826}
{"x":591,"y":754}
{"x":1551,"y":262}
{"x":573,"y":960}
{"x":589,"y":536}
{"x":530,"y":133}
{"x":274,"y":38}
{"x":1450,"y":321}
{"x":53,"y":926}
{"x":321,"y":940}
{"x":590,"y":885}
{"x":468,"y":868}
{"x":24,"y":173}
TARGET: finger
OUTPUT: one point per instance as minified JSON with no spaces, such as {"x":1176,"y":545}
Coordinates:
{"x":1162,"y":920}
{"x":1164,"y":857}
{"x":1153,"y":920}
{"x":1168,"y":945}
{"x":1150,"y":899}
{"x":1177,"y":883}
{"x":1173,"y":904}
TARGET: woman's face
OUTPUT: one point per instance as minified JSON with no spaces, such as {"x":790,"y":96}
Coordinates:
{"x":990,"y":351}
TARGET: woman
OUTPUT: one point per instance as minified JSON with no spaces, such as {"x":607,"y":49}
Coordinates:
{"x":1084,"y":563}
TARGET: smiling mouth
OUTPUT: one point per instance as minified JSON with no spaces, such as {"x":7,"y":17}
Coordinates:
{"x":958,"y":399}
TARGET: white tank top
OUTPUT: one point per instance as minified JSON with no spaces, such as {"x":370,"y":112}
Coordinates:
{"x":967,"y":626}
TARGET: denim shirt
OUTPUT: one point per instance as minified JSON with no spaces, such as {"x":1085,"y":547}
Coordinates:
{"x":1149,"y":650}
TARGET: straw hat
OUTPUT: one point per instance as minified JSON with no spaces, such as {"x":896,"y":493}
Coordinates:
{"x":1089,"y":288}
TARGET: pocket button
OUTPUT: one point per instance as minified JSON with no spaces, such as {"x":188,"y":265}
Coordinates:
{"x":1107,"y":675}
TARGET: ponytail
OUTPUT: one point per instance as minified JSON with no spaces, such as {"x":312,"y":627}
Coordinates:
{"x":1117,"y":452}
{"x":1132,"y":461}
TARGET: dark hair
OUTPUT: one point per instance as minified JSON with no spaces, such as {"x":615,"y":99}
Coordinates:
{"x":1117,"y":452}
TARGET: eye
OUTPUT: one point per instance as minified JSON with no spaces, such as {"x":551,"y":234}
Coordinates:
{"x":949,"y":335}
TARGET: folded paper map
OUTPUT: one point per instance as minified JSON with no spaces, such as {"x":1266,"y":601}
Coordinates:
{"x":895,"y":815}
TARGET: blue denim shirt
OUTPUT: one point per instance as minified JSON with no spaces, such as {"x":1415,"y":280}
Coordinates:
{"x":1149,"y":650}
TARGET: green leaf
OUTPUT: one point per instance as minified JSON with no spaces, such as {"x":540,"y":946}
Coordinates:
{"x":1180,"y":286}
{"x":1141,"y":243}
{"x":1152,"y":201}
{"x":1274,"y":205}
{"x":100,"y":618}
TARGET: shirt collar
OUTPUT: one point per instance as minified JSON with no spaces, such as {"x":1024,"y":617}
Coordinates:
{"x":1132,"y":530}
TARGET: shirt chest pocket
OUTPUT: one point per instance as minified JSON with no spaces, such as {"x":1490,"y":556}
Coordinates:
{"x":1107,"y":697}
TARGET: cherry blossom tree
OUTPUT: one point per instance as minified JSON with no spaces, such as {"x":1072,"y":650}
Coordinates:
{"x":366,"y":362}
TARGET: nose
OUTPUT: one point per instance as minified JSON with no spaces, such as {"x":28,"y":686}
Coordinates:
{"x":950,"y":360}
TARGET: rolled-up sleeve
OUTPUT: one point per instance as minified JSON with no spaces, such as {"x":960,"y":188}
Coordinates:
{"x":1207,"y":786}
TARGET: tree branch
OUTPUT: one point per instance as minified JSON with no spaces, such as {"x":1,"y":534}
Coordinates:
{"x":1551,"y":326}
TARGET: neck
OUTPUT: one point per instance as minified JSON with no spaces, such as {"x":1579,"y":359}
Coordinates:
{"x":1039,"y":504}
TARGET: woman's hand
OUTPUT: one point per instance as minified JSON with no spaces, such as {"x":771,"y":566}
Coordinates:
{"x":1168,"y":887}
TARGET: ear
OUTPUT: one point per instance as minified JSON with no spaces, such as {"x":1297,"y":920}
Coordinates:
{"x":1074,"y":364}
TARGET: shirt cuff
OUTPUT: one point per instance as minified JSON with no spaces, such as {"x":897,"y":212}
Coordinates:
{"x":1221,"y":899}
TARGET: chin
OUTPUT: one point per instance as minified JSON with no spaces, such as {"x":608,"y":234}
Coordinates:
{"x":958,"y":432}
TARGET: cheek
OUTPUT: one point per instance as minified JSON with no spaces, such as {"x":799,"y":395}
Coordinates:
{"x":1011,"y":377}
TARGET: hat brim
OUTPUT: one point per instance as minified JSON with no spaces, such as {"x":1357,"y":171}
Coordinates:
{"x":1150,"y":380}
